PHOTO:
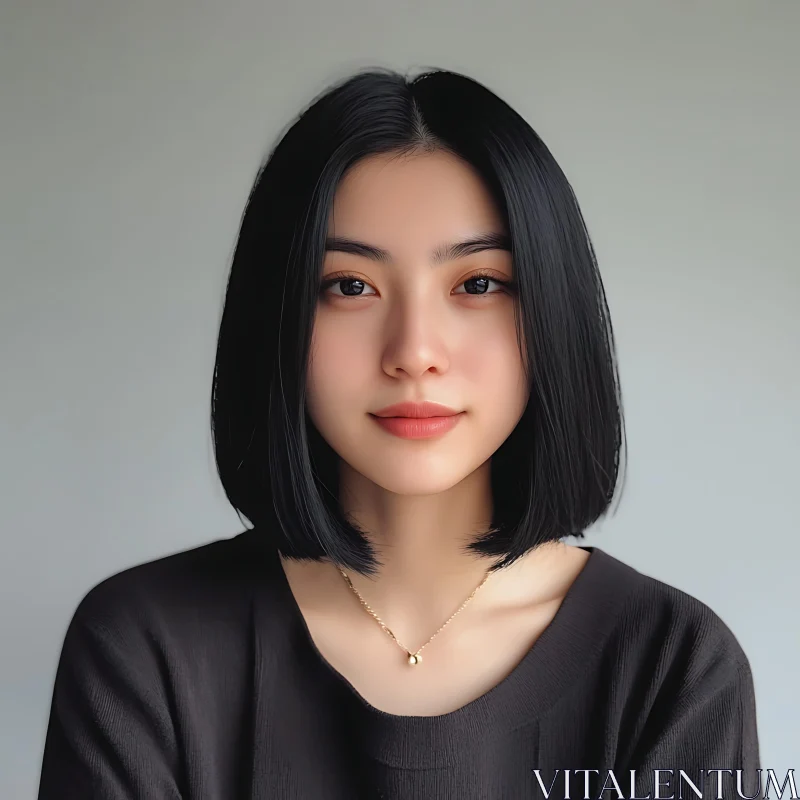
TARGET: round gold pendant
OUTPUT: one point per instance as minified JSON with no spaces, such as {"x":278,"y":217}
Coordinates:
{"x":414,"y":659}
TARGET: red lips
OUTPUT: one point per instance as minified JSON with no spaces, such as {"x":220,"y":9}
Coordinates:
{"x":416,"y":410}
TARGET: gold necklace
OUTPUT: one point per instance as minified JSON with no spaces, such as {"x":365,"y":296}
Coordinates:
{"x":415,"y":657}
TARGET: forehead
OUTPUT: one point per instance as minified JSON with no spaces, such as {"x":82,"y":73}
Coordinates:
{"x":426,"y":195}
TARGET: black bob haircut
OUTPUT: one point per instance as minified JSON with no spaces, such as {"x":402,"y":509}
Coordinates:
{"x":556,"y":473}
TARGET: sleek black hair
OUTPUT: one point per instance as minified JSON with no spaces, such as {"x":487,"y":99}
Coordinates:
{"x":556,"y":473}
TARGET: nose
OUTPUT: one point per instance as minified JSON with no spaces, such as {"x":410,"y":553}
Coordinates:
{"x":416,"y":341}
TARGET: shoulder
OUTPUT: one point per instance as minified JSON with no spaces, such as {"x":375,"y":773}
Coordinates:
{"x":179,"y":599}
{"x":674,"y":636}
{"x":152,"y":652}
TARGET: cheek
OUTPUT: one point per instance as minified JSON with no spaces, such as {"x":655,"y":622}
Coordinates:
{"x":491,"y":360}
{"x":341,"y":362}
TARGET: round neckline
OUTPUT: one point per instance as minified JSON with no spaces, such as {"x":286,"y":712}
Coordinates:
{"x":550,"y":667}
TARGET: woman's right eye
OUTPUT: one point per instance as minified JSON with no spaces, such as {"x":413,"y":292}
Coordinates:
{"x":349,"y":285}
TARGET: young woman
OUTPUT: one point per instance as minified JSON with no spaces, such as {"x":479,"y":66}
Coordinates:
{"x":415,"y":400}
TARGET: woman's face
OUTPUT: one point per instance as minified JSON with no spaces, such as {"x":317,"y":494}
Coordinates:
{"x":411,"y":328}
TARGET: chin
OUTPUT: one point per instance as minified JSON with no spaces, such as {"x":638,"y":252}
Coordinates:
{"x":406,"y":481}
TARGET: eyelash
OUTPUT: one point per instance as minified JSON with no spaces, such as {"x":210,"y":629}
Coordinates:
{"x":507,"y":286}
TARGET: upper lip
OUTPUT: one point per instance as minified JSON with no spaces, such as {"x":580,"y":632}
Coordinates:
{"x":416,"y":410}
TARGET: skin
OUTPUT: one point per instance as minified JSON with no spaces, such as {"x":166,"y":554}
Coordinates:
{"x":413,"y":331}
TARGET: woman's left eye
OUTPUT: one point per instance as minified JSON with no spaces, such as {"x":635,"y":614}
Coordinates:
{"x":479,"y":284}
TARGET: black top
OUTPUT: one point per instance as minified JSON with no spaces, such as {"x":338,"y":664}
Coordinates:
{"x":195,"y":676}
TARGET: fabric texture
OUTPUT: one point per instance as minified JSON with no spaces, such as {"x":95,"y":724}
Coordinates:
{"x":194,"y":676}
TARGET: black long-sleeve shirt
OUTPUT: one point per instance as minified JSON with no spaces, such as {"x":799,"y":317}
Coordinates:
{"x":194,"y":676}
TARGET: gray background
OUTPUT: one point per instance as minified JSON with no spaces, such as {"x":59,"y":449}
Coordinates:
{"x":131,"y":133}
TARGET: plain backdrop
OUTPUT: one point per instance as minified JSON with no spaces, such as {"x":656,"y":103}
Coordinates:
{"x":130,"y":136}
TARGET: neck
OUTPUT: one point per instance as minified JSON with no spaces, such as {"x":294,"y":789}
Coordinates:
{"x":425,"y":570}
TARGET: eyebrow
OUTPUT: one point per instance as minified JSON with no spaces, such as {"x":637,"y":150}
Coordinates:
{"x":442,"y":254}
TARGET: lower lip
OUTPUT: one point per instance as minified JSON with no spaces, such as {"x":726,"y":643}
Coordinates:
{"x":418,"y":428}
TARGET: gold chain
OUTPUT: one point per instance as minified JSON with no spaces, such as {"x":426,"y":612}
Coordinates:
{"x":413,"y":657}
